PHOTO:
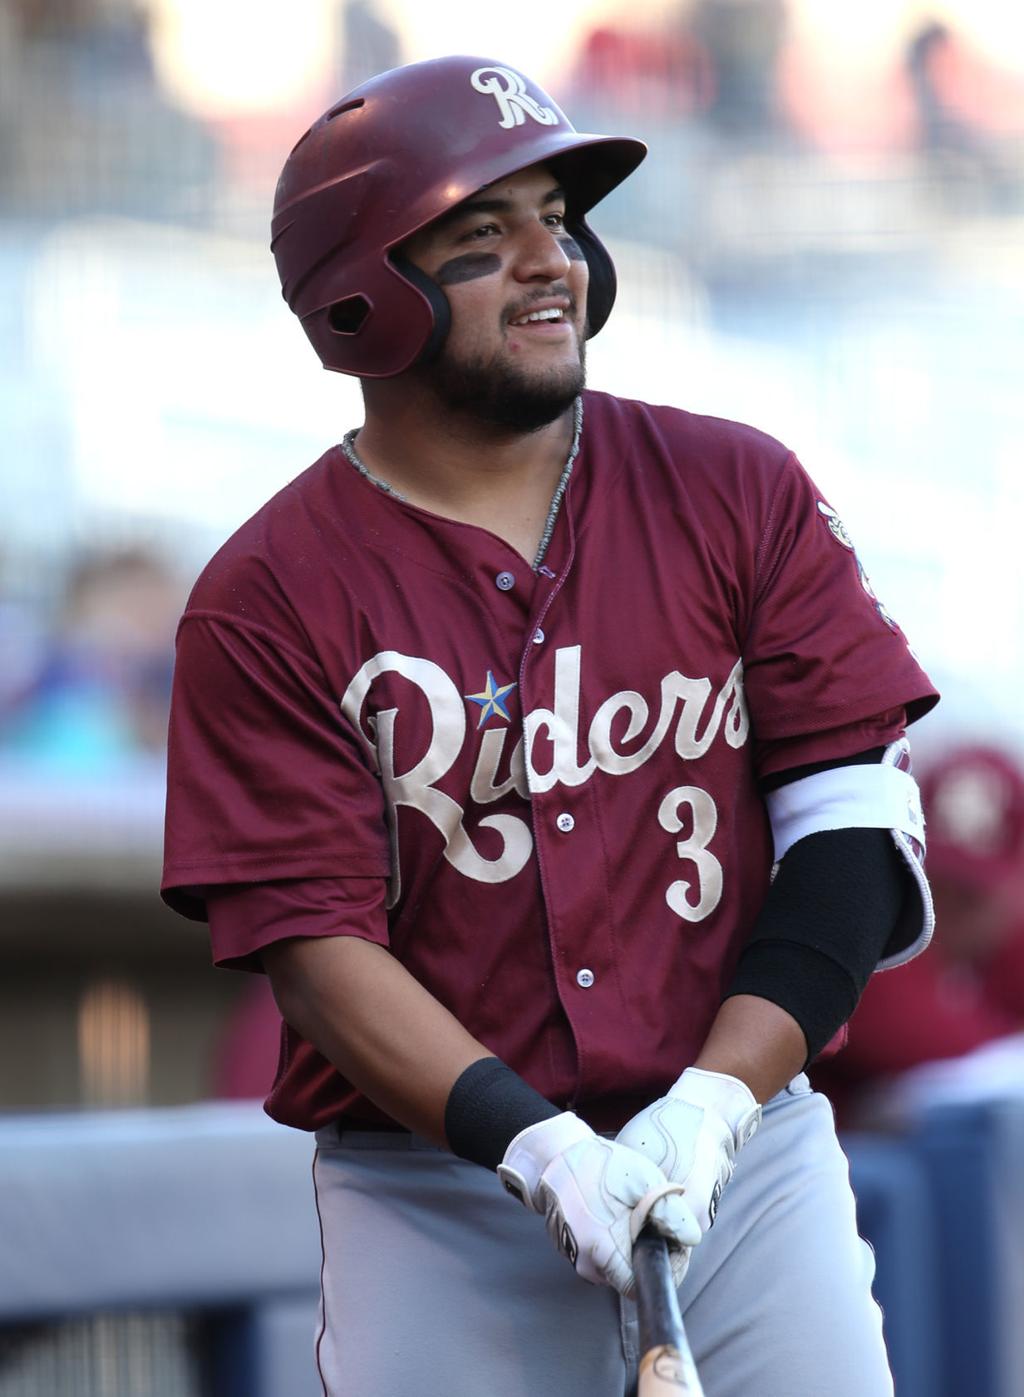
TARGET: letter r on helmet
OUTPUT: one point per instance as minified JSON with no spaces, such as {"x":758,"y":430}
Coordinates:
{"x":508,"y":89}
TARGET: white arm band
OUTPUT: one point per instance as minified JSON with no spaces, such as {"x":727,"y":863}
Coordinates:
{"x":873,"y":796}
{"x":846,"y":797}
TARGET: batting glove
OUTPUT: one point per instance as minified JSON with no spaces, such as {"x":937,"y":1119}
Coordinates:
{"x":694,"y":1133}
{"x":595,"y":1195}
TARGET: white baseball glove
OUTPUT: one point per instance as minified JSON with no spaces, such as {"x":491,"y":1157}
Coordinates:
{"x":595,"y":1195}
{"x":694,"y":1133}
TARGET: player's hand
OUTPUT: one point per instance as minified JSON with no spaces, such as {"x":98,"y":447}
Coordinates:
{"x":694,"y":1133}
{"x":595,"y":1196}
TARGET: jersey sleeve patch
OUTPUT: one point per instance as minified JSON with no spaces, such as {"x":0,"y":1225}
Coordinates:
{"x":838,"y":530}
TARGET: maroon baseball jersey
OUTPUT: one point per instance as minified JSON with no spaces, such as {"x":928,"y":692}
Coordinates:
{"x":539,"y":789}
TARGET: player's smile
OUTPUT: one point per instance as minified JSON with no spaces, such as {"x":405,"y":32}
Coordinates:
{"x":549,"y":319}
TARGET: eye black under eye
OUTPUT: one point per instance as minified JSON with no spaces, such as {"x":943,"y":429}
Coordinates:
{"x":467,"y":267}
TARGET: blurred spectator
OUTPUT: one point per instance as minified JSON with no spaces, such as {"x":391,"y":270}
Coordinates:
{"x":102,"y":689}
{"x":662,"y":72}
{"x":967,"y":989}
{"x":964,"y":108}
{"x":22,"y":643}
{"x":742,"y":40}
{"x":930,"y":61}
{"x":368,"y":44}
{"x":114,"y":38}
{"x":936,"y":69}
{"x":85,"y":127}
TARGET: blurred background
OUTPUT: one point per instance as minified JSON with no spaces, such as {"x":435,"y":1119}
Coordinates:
{"x":825,"y":241}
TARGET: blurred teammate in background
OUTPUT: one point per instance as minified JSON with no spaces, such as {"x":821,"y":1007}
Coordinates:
{"x":969,"y":989}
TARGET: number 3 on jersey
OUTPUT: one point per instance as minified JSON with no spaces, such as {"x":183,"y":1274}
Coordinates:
{"x":704,"y":819}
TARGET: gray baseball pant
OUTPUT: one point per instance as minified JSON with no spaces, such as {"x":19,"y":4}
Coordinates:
{"x":437,"y":1284}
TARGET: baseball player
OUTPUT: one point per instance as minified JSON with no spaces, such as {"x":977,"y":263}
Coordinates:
{"x":487,"y":733}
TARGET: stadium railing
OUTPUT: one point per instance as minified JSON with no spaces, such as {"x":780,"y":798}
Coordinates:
{"x":202,"y":1218}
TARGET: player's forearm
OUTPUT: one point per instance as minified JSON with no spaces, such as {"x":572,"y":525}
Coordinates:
{"x":833,"y":907}
{"x":756,"y":1041}
{"x":368,"y":1016}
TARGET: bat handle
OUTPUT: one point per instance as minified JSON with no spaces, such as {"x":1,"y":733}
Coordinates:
{"x":667,"y":1367}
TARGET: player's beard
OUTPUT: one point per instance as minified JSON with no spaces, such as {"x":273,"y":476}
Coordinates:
{"x":499,"y":394}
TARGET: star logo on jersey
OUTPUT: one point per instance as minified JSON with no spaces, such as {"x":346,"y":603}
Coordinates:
{"x":492,"y":700}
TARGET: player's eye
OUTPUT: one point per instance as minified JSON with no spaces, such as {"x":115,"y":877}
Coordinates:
{"x":555,"y":220}
{"x":481,"y":231}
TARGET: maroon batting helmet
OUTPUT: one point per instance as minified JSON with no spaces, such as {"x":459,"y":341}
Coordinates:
{"x":973,"y":801}
{"x":388,"y":159}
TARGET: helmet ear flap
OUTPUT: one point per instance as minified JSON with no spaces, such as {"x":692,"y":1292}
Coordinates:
{"x":603,"y":283}
{"x":442,"y":311}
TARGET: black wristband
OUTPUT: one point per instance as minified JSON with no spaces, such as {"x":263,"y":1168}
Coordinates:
{"x":487,"y":1107}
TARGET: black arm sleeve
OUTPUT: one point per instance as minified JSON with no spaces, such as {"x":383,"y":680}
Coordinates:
{"x":826,"y":922}
{"x":823,"y":928}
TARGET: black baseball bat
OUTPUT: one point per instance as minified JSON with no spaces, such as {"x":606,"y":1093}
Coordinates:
{"x":667,"y":1368}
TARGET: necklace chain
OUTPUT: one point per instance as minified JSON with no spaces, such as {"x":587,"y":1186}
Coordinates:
{"x":348,"y":446}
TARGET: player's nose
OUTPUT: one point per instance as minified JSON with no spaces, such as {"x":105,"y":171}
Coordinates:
{"x":540,"y":254}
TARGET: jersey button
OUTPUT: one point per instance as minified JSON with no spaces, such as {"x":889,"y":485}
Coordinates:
{"x":505,"y":581}
{"x":584,"y":978}
{"x":538,"y":636}
{"x":565,"y":822}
